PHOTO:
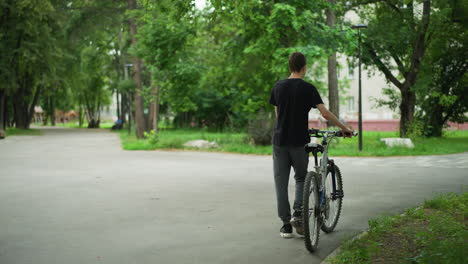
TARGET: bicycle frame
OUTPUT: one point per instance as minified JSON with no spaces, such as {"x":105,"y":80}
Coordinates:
{"x":317,"y":186}
{"x":325,"y":163}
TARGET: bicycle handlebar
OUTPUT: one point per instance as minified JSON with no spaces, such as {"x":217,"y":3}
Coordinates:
{"x":316,"y":132}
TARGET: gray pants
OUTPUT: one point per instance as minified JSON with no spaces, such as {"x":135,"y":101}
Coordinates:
{"x":283,"y":158}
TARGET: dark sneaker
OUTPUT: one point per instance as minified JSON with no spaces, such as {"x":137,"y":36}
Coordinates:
{"x":297,"y":222}
{"x":286,"y":231}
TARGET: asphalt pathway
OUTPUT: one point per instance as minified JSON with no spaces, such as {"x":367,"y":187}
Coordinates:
{"x":73,"y":196}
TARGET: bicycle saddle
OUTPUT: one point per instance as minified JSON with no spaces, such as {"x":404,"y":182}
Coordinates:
{"x":313,"y":147}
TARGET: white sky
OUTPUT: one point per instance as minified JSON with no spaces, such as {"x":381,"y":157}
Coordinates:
{"x":200,"y":4}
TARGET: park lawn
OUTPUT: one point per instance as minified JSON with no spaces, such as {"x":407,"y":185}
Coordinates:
{"x":451,"y":142}
{"x":175,"y":138}
{"x":433,"y":233}
{"x":238,"y":142}
{"x":12,"y":131}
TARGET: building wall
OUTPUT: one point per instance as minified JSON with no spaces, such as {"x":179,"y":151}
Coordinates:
{"x":373,"y":83}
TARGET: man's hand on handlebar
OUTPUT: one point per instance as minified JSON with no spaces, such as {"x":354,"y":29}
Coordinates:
{"x":347,"y":132}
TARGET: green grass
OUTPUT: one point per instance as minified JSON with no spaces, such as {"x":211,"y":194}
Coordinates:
{"x":433,"y":233}
{"x":11,"y":131}
{"x":175,"y":138}
{"x":451,"y":142}
{"x":236,"y":142}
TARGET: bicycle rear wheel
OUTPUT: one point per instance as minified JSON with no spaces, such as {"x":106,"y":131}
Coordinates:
{"x":310,"y":212}
{"x":332,"y":206}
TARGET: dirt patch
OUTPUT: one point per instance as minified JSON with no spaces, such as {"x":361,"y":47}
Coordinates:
{"x":398,"y":245}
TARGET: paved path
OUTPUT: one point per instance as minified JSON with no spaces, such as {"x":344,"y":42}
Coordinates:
{"x":73,"y":196}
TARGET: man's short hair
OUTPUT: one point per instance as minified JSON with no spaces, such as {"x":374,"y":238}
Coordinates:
{"x":297,"y":60}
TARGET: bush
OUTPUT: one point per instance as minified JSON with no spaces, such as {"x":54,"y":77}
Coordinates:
{"x":416,"y":129}
{"x":260,"y":128}
{"x":152,"y":137}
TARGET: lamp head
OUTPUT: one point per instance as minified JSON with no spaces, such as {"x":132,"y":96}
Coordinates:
{"x":358,"y":26}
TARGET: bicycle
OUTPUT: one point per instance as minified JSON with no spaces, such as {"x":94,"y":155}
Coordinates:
{"x":323,"y":190}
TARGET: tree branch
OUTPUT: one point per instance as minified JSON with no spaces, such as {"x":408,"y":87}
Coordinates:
{"x":378,"y":62}
{"x":400,"y":65}
{"x":392,"y":6}
{"x":419,"y":46}
{"x":452,"y":109}
{"x":33,"y":104}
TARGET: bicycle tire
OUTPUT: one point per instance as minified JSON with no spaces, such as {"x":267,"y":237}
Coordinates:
{"x":329,"y":226}
{"x":310,"y":212}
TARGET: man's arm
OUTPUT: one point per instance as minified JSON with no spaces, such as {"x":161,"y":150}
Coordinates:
{"x":276,"y":111}
{"x":332,"y":118}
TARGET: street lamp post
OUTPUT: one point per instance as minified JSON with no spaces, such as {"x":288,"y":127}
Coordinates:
{"x":358,"y":27}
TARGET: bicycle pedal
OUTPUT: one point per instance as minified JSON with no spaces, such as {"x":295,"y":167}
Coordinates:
{"x":337,"y":194}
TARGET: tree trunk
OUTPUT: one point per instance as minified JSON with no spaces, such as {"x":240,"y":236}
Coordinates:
{"x":80,"y":115}
{"x":52,"y":111}
{"x":24,"y":109}
{"x":10,"y":112}
{"x":21,"y":115}
{"x":139,"y":118}
{"x":2,"y":113}
{"x":436,"y":122}
{"x":333,"y":96}
{"x":5,"y":111}
{"x":151,"y":117}
{"x":408,"y":97}
{"x":130,"y":112}
{"x":118,"y":105}
{"x":156,"y":109}
{"x":123,"y":107}
{"x":407,"y":106}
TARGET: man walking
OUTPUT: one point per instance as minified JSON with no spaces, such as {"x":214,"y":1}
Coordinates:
{"x":293,"y":98}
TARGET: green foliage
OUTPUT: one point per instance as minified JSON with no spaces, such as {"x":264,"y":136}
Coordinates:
{"x":11,"y":131}
{"x":239,"y":142}
{"x":165,"y":43}
{"x":443,"y":86}
{"x":215,"y":68}
{"x":435,"y":233}
{"x":152,"y":137}
{"x":126,"y":85}
{"x":31,"y":54}
{"x":392,"y":101}
{"x":417,"y":129}
{"x":440,"y":83}
{"x":248,"y":44}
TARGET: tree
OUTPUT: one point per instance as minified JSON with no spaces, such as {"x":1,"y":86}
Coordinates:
{"x":137,"y":68}
{"x":33,"y":57}
{"x":95,"y":65}
{"x":163,"y":41}
{"x":333,"y":96}
{"x":443,"y":87}
{"x":2,"y":113}
{"x":396,"y":42}
{"x":259,"y":39}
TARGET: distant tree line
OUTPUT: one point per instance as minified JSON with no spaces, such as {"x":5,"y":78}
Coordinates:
{"x":215,"y":67}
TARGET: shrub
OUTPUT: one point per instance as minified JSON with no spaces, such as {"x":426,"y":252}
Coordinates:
{"x":260,"y":128}
{"x":416,"y":129}
{"x":152,"y":137}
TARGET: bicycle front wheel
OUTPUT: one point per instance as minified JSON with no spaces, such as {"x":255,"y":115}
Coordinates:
{"x":333,"y":201}
{"x":310,"y":212}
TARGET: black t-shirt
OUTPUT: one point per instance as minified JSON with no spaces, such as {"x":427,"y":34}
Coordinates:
{"x":294,"y":99}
